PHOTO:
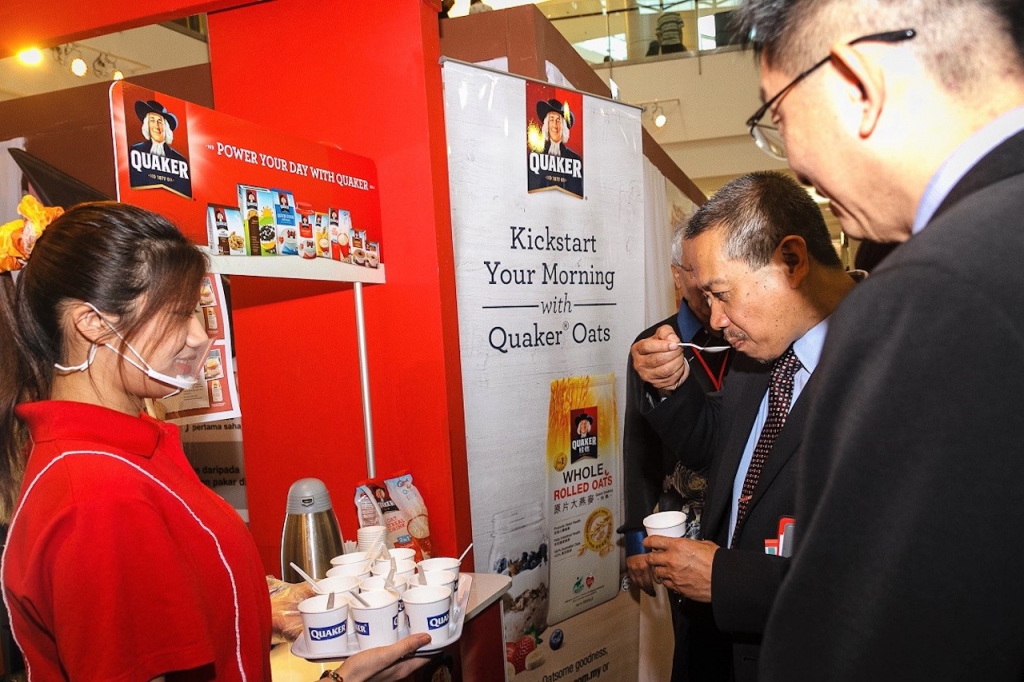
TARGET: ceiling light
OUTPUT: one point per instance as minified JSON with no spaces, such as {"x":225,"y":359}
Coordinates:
{"x":79,"y":67}
{"x":117,"y":75}
{"x":30,"y":57}
{"x":659,"y":117}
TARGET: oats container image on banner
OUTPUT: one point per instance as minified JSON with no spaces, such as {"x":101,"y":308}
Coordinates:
{"x":286,"y":222}
{"x":520,"y":551}
{"x":249,"y":206}
{"x":267,"y":202}
{"x":217,"y":230}
{"x":307,"y":242}
{"x":358,"y":247}
{"x":322,"y":235}
{"x":341,"y":247}
{"x":582,"y":466}
{"x":373,"y":254}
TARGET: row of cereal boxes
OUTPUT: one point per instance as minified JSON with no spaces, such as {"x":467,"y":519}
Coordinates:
{"x":268,"y":222}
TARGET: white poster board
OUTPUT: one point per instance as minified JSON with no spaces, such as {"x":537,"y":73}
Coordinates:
{"x":547,"y":219}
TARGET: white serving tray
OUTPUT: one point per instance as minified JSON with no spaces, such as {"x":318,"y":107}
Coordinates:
{"x":351,"y":645}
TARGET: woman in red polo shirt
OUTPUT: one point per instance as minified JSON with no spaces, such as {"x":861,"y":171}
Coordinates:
{"x":119,"y":563}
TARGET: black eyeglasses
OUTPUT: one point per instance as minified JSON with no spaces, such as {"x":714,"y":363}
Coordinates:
{"x":767,"y":137}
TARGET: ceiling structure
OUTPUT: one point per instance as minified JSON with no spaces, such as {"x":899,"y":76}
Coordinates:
{"x":134,"y":52}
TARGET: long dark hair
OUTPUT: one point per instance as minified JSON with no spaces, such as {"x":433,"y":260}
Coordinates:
{"x":107,"y":254}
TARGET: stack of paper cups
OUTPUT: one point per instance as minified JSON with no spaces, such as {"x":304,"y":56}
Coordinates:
{"x":371,"y":538}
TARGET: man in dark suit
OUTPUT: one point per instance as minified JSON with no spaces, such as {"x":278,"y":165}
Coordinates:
{"x":907,"y":562}
{"x":765,"y":260}
{"x":653,"y":475}
{"x":154,"y":162}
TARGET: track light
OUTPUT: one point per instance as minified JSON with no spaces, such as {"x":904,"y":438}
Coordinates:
{"x":30,"y":57}
{"x":657,"y":111}
{"x":104,"y":65}
{"x":659,"y":117}
{"x":79,"y":67}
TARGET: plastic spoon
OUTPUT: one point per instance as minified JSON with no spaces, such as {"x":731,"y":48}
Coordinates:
{"x":307,"y":578}
{"x":464,"y":553}
{"x":706,"y":349}
{"x":359,"y":599}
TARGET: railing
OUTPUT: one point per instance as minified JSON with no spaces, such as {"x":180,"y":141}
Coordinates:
{"x":635,"y":30}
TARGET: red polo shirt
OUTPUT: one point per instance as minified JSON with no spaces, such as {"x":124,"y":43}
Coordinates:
{"x":120,"y":564}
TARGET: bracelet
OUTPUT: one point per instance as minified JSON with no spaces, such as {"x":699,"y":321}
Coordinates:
{"x":332,"y":674}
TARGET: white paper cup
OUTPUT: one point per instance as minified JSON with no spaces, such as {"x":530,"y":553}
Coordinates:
{"x":403,"y":566}
{"x":429,"y":610}
{"x":377,"y":625}
{"x":326,"y":631}
{"x":350,"y":558}
{"x":339,"y":584}
{"x":671,"y":524}
{"x":440,"y":578}
{"x":439,"y":564}
{"x":376,"y":582}
{"x":400,"y":553}
{"x":358,"y":571}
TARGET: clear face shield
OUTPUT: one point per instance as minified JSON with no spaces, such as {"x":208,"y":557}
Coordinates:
{"x":181,"y":374}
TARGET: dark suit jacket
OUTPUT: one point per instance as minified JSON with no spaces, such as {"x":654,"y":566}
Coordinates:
{"x":712,"y":432}
{"x":910,"y":512}
{"x":646,"y":461}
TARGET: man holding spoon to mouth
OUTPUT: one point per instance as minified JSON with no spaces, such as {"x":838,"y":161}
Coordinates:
{"x":764,"y":259}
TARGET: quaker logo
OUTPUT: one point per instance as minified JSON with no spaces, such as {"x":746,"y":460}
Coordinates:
{"x":554,"y":139}
{"x":332,"y":632}
{"x":437,"y":622}
{"x":583,"y":439}
{"x":156,"y":161}
{"x":362,"y":628}
{"x":394,"y":623}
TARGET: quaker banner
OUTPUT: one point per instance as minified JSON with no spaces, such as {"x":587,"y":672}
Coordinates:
{"x":554,"y":139}
{"x":261,"y":202}
{"x":550,"y":293}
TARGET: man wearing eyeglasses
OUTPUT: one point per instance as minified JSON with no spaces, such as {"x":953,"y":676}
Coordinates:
{"x":909,"y":116}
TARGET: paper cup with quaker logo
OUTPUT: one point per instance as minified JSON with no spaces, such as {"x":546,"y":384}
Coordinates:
{"x":440,"y":579}
{"x":403,"y":567}
{"x":359,"y":571}
{"x":326,"y":630}
{"x":339,"y":584}
{"x":350,"y":558}
{"x":429,"y":610}
{"x":399,"y":553}
{"x":440,"y":564}
{"x":376,"y":625}
{"x":671,"y":524}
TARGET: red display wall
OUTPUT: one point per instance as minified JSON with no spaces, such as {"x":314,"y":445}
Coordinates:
{"x":318,"y":70}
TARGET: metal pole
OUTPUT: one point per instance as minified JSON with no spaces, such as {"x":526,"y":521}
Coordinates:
{"x":364,"y":381}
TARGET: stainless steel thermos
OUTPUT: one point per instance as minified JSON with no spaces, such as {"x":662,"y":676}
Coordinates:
{"x":311,"y":537}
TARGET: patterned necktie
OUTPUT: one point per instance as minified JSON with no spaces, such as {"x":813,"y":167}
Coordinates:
{"x":780,"y":395}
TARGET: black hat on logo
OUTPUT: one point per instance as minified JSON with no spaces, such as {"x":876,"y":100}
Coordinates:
{"x":554,"y":106}
{"x":143,"y":109}
{"x":584,"y":417}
